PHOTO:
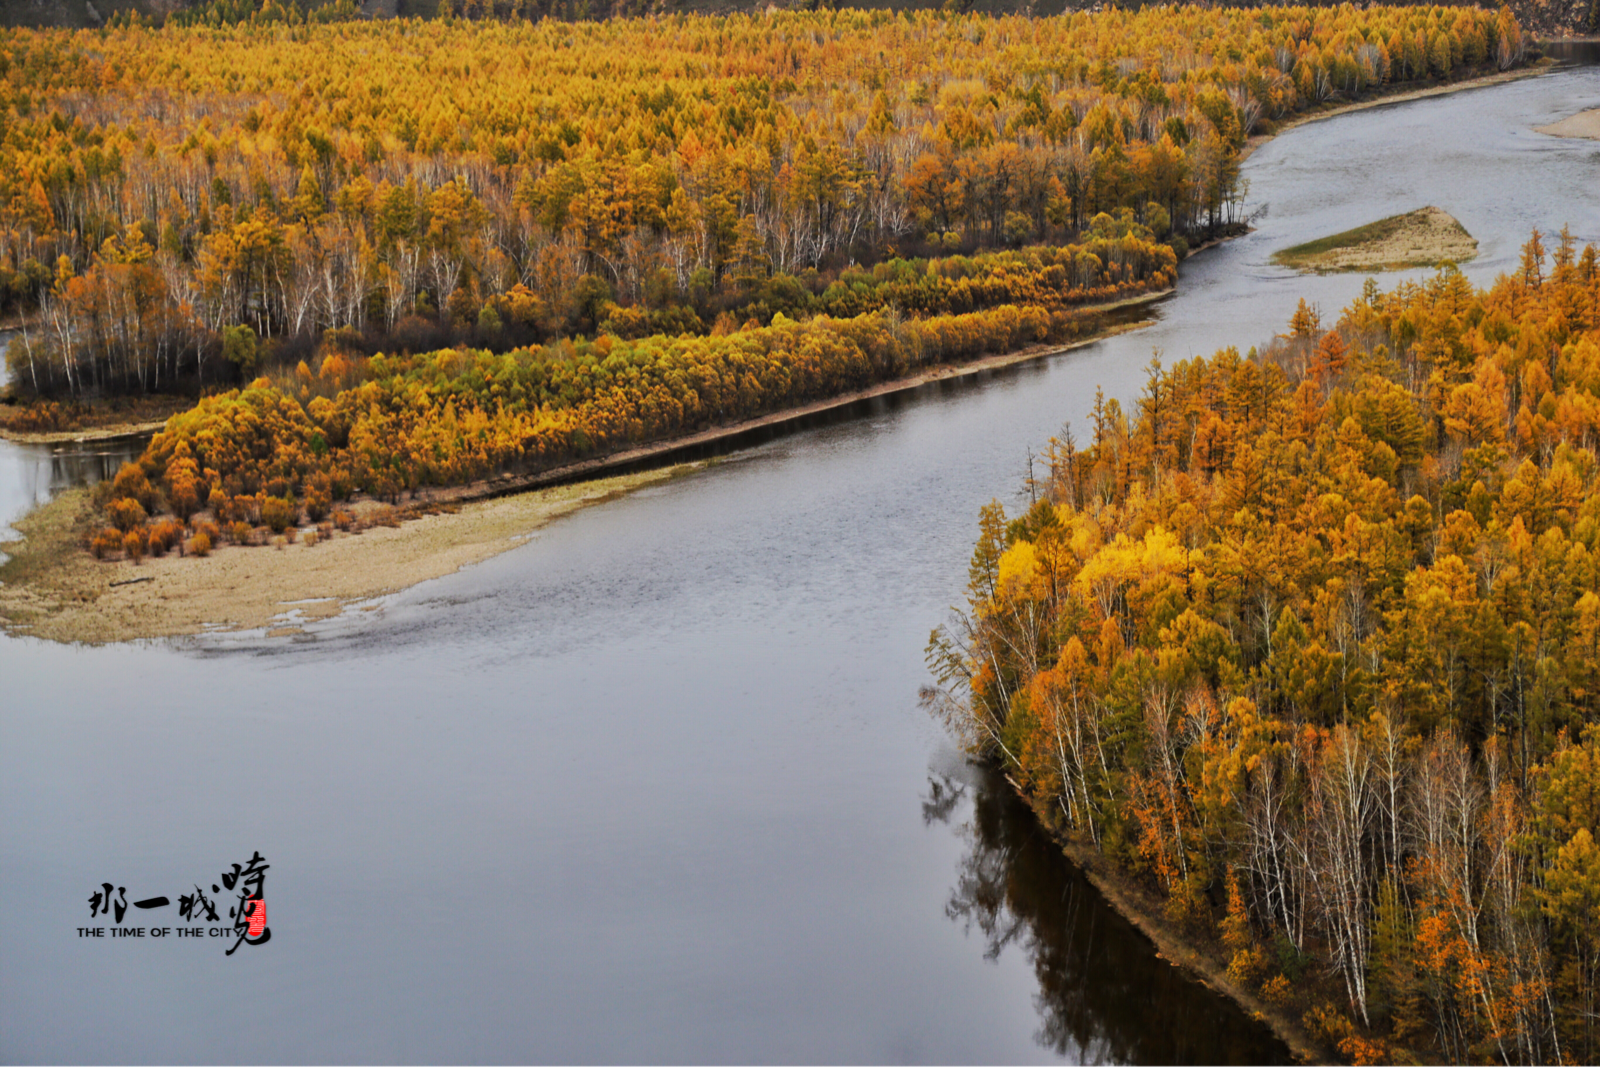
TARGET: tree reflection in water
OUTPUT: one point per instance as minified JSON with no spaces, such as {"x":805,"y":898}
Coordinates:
{"x":1104,"y":995}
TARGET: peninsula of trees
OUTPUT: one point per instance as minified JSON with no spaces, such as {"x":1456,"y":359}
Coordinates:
{"x":1309,"y":641}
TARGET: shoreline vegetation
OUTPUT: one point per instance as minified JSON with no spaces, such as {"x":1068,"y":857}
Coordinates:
{"x":1135,"y":902}
{"x":54,"y":422}
{"x":1301,"y":652}
{"x":1427,"y":237}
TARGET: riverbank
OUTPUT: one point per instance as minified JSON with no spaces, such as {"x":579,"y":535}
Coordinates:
{"x":99,"y":433}
{"x":1399,"y":95}
{"x":1144,"y":910}
{"x":53,"y":588}
{"x":48,"y":422}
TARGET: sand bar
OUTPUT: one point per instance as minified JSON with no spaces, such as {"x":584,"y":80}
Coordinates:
{"x":1584,"y":124}
{"x":1421,"y":238}
{"x":54,"y":589}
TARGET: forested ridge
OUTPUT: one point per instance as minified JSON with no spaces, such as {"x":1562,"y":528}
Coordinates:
{"x":1309,"y":641}
{"x":192,"y":204}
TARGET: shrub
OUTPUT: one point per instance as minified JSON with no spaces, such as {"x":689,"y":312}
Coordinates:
{"x":106,"y":542}
{"x":319,"y":496}
{"x":311,"y":538}
{"x":1248,"y":966}
{"x":183,"y":483}
{"x":240,"y":531}
{"x":163,"y":535}
{"x":278,"y":512}
{"x":126,"y":513}
{"x":131,"y":482}
{"x":1327,"y":1024}
{"x":343,"y":519}
{"x":133,"y":544}
{"x":290,"y":533}
{"x":1362,"y":1051}
{"x":200,"y":544}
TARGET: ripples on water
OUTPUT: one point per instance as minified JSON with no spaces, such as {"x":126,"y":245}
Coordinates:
{"x":653,"y":786}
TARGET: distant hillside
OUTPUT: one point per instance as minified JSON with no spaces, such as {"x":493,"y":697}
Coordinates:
{"x":1542,"y":18}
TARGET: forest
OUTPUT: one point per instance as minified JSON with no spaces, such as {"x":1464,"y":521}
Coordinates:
{"x":1308,"y":641}
{"x":185,"y":207}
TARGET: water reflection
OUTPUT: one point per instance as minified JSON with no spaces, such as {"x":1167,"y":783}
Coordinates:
{"x":1577,"y":53}
{"x":1101,"y":984}
{"x":31,"y":474}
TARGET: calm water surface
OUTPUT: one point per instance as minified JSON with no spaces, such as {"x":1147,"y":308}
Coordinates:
{"x":654,"y":786}
{"x":32,"y":474}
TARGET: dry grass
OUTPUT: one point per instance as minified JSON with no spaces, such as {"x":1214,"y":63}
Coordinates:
{"x":1423,"y":238}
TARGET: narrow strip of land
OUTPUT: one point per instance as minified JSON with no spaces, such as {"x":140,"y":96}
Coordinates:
{"x":53,"y":588}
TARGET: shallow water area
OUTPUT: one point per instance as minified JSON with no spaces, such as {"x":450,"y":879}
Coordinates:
{"x":655,"y":786}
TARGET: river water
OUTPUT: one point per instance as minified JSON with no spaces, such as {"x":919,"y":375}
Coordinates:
{"x":655,"y":786}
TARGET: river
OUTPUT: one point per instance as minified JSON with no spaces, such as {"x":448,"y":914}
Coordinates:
{"x":655,"y":786}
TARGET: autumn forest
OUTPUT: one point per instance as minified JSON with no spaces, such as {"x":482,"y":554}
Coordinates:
{"x":1306,"y":640}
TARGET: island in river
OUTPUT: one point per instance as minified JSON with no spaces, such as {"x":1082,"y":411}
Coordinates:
{"x":1426,"y":237}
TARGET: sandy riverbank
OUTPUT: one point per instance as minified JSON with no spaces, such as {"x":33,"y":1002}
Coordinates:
{"x":54,"y":589}
{"x":1585,"y":124}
